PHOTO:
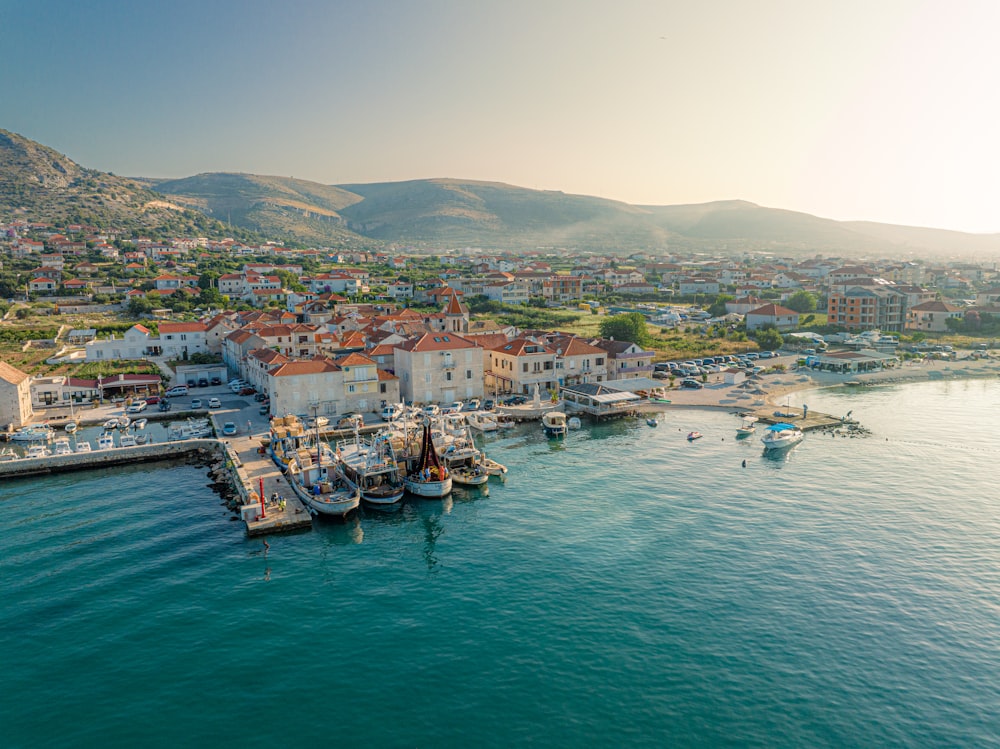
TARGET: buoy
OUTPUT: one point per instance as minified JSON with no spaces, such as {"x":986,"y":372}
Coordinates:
{"x":744,"y":462}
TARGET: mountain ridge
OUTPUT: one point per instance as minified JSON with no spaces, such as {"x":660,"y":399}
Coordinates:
{"x":437,"y":212}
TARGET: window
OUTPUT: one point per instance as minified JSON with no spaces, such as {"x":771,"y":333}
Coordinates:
{"x":447,"y":376}
{"x":350,"y":388}
{"x":468,"y":374}
{"x":381,"y":387}
{"x":427,"y":378}
{"x":524,"y":367}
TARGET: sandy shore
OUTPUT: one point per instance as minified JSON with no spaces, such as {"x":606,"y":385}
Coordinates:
{"x":776,"y":385}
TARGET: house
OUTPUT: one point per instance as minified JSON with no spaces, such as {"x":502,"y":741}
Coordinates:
{"x":178,"y":340}
{"x":626,"y":360}
{"x":933,"y":316}
{"x":43,"y":285}
{"x":772,"y":315}
{"x":15,"y":397}
{"x":519,"y":365}
{"x":693,"y":286}
{"x":439,"y":368}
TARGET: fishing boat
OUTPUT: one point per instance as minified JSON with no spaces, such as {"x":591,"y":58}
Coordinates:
{"x":692,"y":436}
{"x":374,"y":468}
{"x":37,"y":433}
{"x":83,"y":447}
{"x":430,"y":478}
{"x":6,"y":454}
{"x":71,"y":427}
{"x":781,"y":436}
{"x":36,"y":451}
{"x":106,"y":441}
{"x":554,"y":424}
{"x":464,"y":461}
{"x":322,"y":487}
{"x":747,"y":427}
{"x":126,"y":440}
{"x":287,"y":436}
{"x":61,"y":446}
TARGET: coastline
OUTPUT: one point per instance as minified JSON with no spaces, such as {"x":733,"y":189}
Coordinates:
{"x":774,"y":386}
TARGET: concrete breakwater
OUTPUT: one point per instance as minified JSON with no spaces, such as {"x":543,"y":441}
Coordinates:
{"x":102,"y":458}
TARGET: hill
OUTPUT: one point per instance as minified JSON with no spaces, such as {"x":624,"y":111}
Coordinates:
{"x":279,"y":207}
{"x":36,"y":180}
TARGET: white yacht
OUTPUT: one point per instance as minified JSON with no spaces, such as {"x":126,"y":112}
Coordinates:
{"x":482,"y":421}
{"x":781,"y":436}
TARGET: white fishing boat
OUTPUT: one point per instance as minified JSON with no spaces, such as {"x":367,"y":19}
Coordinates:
{"x":482,"y":421}
{"x":6,"y":454}
{"x":124,"y":421}
{"x":71,"y":427}
{"x":36,"y":451}
{"x":430,"y":479}
{"x":554,"y":424}
{"x":373,"y":466}
{"x":106,"y":441}
{"x":495,"y":469}
{"x":323,"y":488}
{"x":61,"y":446}
{"x":111,"y":424}
{"x":747,"y":427}
{"x":37,"y":433}
{"x":127,"y":440}
{"x":287,"y":436}
{"x":781,"y":436}
{"x":83,"y":446}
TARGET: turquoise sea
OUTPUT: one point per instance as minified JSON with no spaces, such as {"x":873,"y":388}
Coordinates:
{"x":624,"y":588}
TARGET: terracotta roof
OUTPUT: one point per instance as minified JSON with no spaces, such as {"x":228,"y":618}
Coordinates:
{"x":11,"y":374}
{"x":772,"y":310}
{"x":310,"y":366}
{"x":181,"y":327}
{"x":354,"y":360}
{"x":437,"y":342}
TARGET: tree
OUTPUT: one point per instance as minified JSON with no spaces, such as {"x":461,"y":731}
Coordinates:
{"x":802,"y":301}
{"x":628,"y":326}
{"x":769,"y":338}
{"x":718,"y":307}
{"x":139,"y":306}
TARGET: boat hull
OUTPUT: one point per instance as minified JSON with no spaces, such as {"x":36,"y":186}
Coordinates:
{"x":782,"y":444}
{"x":383,"y":499}
{"x":469,"y":478}
{"x":431,"y":489}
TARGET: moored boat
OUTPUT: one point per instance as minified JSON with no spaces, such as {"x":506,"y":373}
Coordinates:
{"x":374,"y":468}
{"x":83,"y":446}
{"x":781,"y":436}
{"x":431,"y":478}
{"x":482,"y":421}
{"x":70,"y":427}
{"x":692,"y":436}
{"x":651,"y":421}
{"x":140,"y":423}
{"x":554,"y":423}
{"x":36,"y":451}
{"x":126,"y":440}
{"x":61,"y":446}
{"x":36,"y":433}
{"x":106,"y":441}
{"x":747,"y":427}
{"x":323,"y":488}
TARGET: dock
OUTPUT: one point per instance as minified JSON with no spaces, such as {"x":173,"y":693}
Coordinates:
{"x":815,"y":420}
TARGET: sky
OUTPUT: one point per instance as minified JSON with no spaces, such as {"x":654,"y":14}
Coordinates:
{"x":880,"y":110}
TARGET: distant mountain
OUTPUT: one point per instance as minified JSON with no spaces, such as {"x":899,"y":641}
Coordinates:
{"x":436,"y":213}
{"x":47,"y":186}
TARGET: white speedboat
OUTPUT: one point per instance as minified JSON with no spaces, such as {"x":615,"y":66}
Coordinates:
{"x":140,"y":423}
{"x":747,"y":427}
{"x":61,"y":446}
{"x":781,"y":436}
{"x":106,"y":441}
{"x":482,"y":421}
{"x":70,"y":427}
{"x":554,"y":424}
{"x":83,"y":447}
{"x":36,"y":451}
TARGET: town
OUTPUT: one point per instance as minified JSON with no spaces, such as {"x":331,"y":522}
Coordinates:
{"x":322,"y":332}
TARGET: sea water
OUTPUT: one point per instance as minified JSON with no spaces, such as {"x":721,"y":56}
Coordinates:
{"x":625,"y":587}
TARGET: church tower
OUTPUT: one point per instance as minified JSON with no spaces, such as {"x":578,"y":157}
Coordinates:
{"x":456,"y":316}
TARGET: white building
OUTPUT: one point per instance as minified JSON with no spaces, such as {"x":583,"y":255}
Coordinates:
{"x":15,"y":396}
{"x":439,"y":368}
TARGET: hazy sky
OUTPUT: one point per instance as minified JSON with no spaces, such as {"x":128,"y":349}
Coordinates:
{"x":884,"y":110}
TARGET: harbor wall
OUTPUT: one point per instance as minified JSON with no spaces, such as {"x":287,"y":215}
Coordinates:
{"x":105,"y":458}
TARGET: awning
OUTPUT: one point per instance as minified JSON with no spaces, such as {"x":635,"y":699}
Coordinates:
{"x":614,"y":397}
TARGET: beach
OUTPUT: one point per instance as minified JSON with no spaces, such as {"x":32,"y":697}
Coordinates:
{"x":772,"y":387}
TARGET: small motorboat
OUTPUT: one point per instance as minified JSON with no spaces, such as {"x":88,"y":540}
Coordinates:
{"x":83,"y":447}
{"x":747,"y":427}
{"x":554,"y":424}
{"x":651,"y":421}
{"x":781,"y":436}
{"x":141,"y":439}
{"x":110,"y":424}
{"x":692,"y":436}
{"x":70,"y":427}
{"x":574,"y":422}
{"x":106,"y":441}
{"x":140,"y":423}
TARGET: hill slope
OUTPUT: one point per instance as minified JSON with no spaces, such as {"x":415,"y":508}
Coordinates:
{"x":279,"y":207}
{"x":42,"y":183}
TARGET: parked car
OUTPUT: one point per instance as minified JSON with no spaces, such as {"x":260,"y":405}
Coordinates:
{"x":391,"y":412}
{"x":152,"y":400}
{"x":195,"y":404}
{"x":192,"y":383}
{"x":228,"y":429}
{"x":260,"y":397}
{"x":247,"y":391}
{"x":238,"y":385}
{"x":137,"y":407}
{"x":691,"y":384}
{"x":203,"y":382}
{"x":216,"y":380}
{"x":489,"y":404}
{"x":214,"y":403}
{"x":515,"y":400}
{"x":177,"y":390}
{"x":264,"y":410}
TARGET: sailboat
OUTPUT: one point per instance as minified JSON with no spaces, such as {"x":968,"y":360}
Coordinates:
{"x":430,"y":479}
